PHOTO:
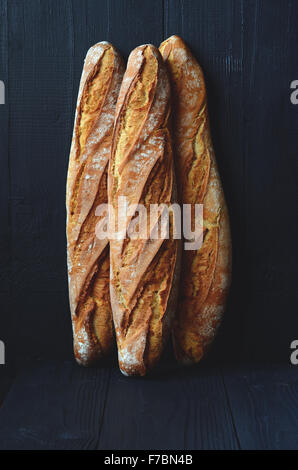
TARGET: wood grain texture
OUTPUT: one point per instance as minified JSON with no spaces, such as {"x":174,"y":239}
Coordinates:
{"x":5,"y":235}
{"x":56,"y":406}
{"x":247,"y":50}
{"x":271,"y":176}
{"x":214,"y":32}
{"x":133,"y":23}
{"x":264,"y":406}
{"x":4,"y":167}
{"x":63,"y":406}
{"x":241,"y":46}
{"x":41,"y":115}
{"x":169,"y":411}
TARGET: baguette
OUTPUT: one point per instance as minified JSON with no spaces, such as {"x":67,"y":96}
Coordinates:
{"x":206,"y":272}
{"x":87,"y":255}
{"x":144,"y":272}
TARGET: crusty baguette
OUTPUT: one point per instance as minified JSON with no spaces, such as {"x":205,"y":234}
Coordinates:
{"x":88,"y":256}
{"x":205,"y":273}
{"x":144,"y":272}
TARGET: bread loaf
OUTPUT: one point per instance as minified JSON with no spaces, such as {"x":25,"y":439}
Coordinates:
{"x":143,"y":271}
{"x":205,"y":273}
{"x":88,"y":256}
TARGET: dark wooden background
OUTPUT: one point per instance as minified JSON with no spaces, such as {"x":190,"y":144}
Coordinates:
{"x":248,"y":50}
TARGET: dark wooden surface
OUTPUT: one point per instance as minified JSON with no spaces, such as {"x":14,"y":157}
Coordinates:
{"x":249,"y":55}
{"x":63,"y":406}
{"x":264,"y":405}
{"x":248,"y":50}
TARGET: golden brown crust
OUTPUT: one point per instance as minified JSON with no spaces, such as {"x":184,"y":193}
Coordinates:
{"x":88,"y":257}
{"x":206,"y":273}
{"x":143,"y":271}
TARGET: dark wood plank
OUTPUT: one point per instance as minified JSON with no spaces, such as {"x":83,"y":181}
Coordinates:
{"x":247,"y":53}
{"x":247,"y":50}
{"x":213,"y":29}
{"x":7,"y":378}
{"x":63,"y":406}
{"x":54,"y":406}
{"x":264,"y":404}
{"x":186,"y":410}
{"x":5,"y":251}
{"x":132,"y":23}
{"x":41,"y":86}
{"x":5,"y":384}
{"x":271,"y":178}
{"x":4,"y":169}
